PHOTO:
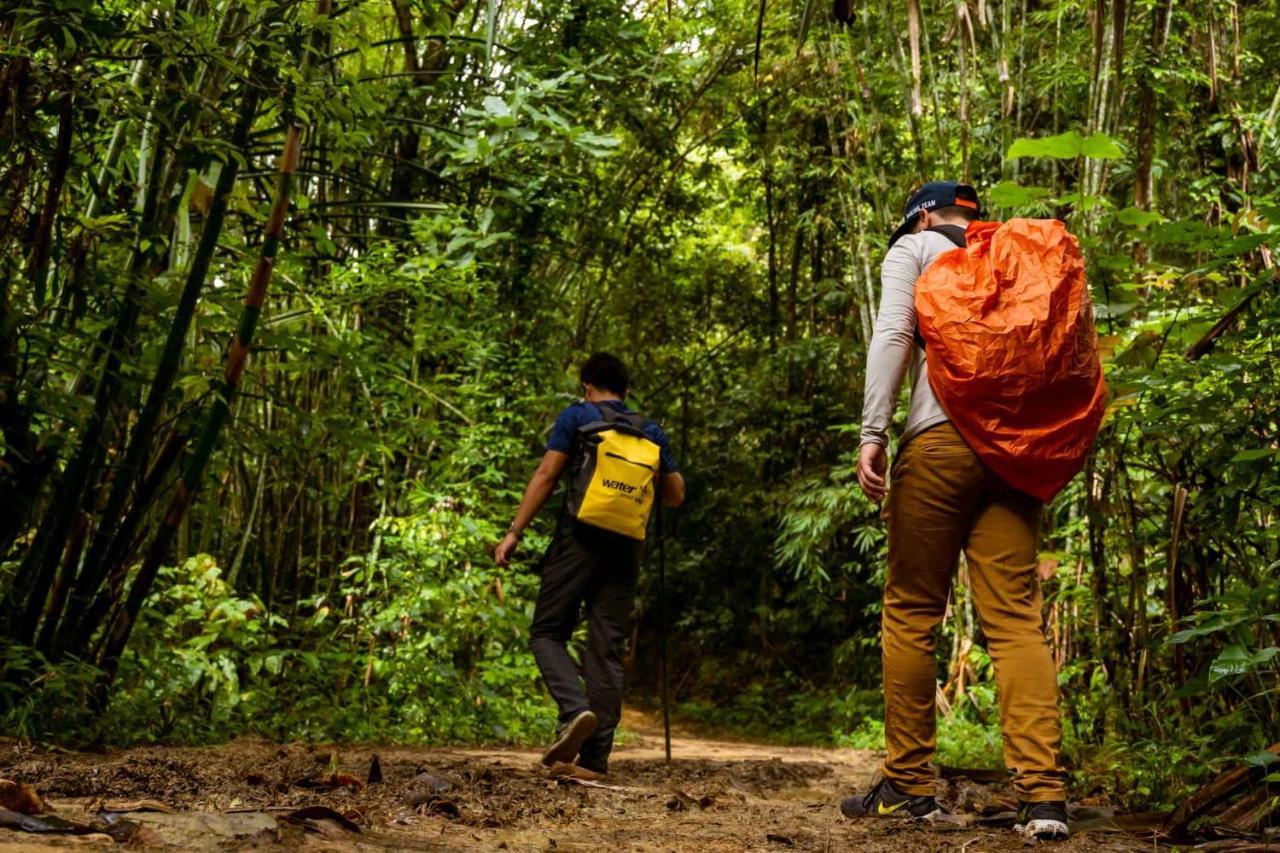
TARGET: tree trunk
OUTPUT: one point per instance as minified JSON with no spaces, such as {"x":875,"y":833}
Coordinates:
{"x":1143,"y":186}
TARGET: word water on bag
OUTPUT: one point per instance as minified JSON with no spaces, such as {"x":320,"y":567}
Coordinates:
{"x":611,"y":481}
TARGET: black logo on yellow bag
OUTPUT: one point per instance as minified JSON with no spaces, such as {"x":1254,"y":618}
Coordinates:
{"x":612,"y":477}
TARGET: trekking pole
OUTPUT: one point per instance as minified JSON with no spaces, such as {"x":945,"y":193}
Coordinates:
{"x":662,"y":634}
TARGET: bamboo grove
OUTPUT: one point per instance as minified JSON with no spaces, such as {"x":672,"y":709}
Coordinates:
{"x":289,"y":291}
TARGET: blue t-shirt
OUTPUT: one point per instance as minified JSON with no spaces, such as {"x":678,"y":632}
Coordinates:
{"x":581,"y":414}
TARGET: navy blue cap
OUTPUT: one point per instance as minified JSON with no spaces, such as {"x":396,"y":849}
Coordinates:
{"x":933,"y":195}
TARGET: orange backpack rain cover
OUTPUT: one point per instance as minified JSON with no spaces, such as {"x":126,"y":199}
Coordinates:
{"x":1012,"y":352}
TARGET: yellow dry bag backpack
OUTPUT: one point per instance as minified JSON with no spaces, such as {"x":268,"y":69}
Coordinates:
{"x":613,"y":474}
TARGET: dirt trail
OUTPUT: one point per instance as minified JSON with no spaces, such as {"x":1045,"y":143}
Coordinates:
{"x":716,"y":795}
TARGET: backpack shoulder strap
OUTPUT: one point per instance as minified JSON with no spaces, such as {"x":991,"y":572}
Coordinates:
{"x":610,"y":415}
{"x":954,"y":233}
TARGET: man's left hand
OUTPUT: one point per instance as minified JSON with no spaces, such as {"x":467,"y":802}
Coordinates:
{"x":506,"y":549}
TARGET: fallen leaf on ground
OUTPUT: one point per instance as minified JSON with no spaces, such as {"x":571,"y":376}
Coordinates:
{"x":123,"y":806}
{"x":425,"y":786}
{"x":20,"y":797}
{"x":437,"y":805}
{"x":587,"y":783}
{"x":91,"y":839}
{"x":316,"y":818}
{"x":331,"y":782}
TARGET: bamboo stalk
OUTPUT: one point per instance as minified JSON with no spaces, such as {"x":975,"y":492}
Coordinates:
{"x":42,"y":243}
{"x":111,"y":542}
{"x":237,"y":359}
{"x":37,"y":570}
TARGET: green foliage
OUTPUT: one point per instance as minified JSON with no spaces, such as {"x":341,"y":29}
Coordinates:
{"x":527,"y":184}
{"x":419,"y":643}
{"x":1067,"y":146}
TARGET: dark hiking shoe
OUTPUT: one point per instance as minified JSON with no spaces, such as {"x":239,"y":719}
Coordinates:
{"x":883,"y":800}
{"x":569,"y":739}
{"x":1045,"y":821}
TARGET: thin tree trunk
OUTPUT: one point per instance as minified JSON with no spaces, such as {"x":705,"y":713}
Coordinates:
{"x":233,"y":573}
{"x":772,"y":225}
{"x":42,"y":240}
{"x":1143,"y":184}
{"x":36,"y":573}
{"x":112,"y":539}
{"x":1213,"y":54}
{"x":237,"y":357}
{"x":913,"y":34}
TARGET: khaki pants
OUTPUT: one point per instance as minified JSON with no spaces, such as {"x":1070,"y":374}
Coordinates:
{"x":943,"y":500}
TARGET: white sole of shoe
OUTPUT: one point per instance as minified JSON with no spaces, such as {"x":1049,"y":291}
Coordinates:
{"x":1045,"y":830}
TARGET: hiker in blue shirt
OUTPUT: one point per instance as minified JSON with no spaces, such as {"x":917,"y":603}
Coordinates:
{"x":615,"y":458}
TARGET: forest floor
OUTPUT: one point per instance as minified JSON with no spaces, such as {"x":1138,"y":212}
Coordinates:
{"x":716,"y":795}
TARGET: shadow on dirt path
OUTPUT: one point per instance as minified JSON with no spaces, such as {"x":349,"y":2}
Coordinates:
{"x":716,"y":795}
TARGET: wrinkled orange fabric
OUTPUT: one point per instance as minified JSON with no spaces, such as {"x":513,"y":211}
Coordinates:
{"x":1011,"y":350}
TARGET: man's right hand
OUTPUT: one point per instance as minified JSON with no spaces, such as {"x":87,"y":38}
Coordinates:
{"x":506,"y":550}
{"x":872,"y":462}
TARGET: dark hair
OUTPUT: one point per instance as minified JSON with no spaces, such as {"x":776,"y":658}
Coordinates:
{"x":956,"y":211}
{"x":606,"y":372}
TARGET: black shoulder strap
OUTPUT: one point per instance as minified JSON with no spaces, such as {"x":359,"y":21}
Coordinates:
{"x":954,"y":233}
{"x":610,"y":415}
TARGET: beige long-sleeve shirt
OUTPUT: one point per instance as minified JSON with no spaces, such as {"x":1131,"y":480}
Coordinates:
{"x":893,"y":351}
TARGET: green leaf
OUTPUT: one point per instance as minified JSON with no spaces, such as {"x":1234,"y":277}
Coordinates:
{"x":806,"y":18}
{"x":1254,"y":455}
{"x":495,"y":106}
{"x":1138,"y":218}
{"x":1066,"y":146}
{"x":1262,"y":758}
{"x":1213,"y":625}
{"x":1099,"y":146}
{"x":1234,"y":660}
{"x":1009,"y":194}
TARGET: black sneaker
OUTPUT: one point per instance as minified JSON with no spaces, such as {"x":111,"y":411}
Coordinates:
{"x":569,"y":739}
{"x":883,"y":800}
{"x":1045,"y":821}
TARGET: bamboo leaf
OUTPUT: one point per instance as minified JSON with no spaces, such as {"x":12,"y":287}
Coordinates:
{"x":806,"y":19}
{"x":1254,"y":455}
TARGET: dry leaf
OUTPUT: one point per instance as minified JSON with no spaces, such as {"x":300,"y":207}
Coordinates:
{"x":20,"y":797}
